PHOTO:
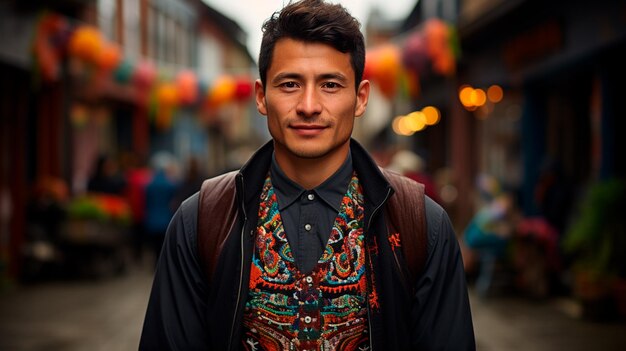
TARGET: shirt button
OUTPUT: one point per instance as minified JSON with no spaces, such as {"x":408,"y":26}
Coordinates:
{"x":307,"y":319}
{"x":307,"y":227}
{"x":311,"y":197}
{"x":309,"y":279}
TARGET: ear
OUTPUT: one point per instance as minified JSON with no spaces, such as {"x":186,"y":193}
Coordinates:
{"x":260,"y":97}
{"x":362,"y":96}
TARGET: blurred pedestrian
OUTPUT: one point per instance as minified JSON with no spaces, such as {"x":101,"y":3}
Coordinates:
{"x":490,"y":230}
{"x":159,"y":196}
{"x":106,"y":177}
{"x":191,"y":182}
{"x":138,"y":175}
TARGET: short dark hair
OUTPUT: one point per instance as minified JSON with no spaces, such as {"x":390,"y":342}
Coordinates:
{"x":314,"y":21}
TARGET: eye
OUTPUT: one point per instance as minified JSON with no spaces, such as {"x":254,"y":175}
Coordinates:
{"x":289,"y":85}
{"x":333,"y":86}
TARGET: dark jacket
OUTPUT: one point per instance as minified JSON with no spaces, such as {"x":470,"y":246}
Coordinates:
{"x":185,"y":313}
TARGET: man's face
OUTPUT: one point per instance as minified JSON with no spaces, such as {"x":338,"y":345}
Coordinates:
{"x":310,"y":100}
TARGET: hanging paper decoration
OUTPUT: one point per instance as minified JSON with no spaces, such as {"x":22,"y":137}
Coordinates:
{"x":433,"y":49}
{"x":109,"y":57}
{"x":389,"y":69}
{"x":86,"y":43}
{"x":49,"y":38}
{"x":167,"y":99}
{"x":143,"y":78}
{"x":123,"y":73}
{"x":47,"y":60}
{"x":243,"y":88}
{"x":95,"y":60}
{"x":383,"y":68}
{"x":436,"y":33}
{"x":167,"y":94}
{"x":438,"y":37}
{"x":187,"y":85}
{"x":415,"y":54}
{"x":144,"y":75}
{"x":222,"y":92}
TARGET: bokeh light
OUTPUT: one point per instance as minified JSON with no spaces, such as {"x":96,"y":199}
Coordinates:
{"x":495,"y":93}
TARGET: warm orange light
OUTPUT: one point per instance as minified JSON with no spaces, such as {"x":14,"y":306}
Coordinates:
{"x":406,"y":126}
{"x":495,"y":93}
{"x":478,"y":97}
{"x":395,"y":125}
{"x":465,"y":95}
{"x":417,"y":121}
{"x":432,"y":115}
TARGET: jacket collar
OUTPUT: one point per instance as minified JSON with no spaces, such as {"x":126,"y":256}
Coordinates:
{"x":252,"y":174}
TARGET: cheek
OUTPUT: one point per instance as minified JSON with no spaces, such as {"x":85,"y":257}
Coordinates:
{"x":273,"y":122}
{"x":278,"y":107}
{"x":345,"y":114}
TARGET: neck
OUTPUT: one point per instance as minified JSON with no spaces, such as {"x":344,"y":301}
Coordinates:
{"x":311,"y":172}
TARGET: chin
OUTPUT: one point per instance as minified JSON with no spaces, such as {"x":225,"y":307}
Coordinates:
{"x":309,"y":153}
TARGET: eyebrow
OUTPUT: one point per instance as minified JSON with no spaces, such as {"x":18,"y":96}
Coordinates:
{"x":297,"y":76}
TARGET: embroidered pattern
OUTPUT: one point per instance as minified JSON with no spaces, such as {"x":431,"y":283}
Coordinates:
{"x":324,"y":310}
{"x":394,"y":240}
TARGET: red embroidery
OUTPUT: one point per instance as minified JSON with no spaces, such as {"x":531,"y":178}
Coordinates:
{"x":394,"y":240}
{"x":374,"y":304}
{"x":373,"y":247}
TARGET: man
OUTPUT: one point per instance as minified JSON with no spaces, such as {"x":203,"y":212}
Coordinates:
{"x":307,"y":264}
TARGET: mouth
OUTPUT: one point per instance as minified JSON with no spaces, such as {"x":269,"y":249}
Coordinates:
{"x":307,"y":129}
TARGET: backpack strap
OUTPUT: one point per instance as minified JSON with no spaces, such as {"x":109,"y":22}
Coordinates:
{"x":406,"y":213}
{"x":216,"y":205}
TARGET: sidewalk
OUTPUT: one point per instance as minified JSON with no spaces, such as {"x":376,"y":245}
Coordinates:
{"x":514,"y":323}
{"x":82,"y":315}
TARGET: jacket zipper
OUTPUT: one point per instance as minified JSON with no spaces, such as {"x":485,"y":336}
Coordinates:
{"x":243,"y":230}
{"x":369,"y":223}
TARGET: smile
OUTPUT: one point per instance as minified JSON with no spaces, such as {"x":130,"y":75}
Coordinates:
{"x":307,"y":129}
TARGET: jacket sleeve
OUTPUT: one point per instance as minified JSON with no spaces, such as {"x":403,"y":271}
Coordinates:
{"x":176,"y":314}
{"x":441,"y":315}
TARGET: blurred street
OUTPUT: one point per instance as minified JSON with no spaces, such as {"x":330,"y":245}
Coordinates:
{"x":80,"y":315}
{"x":107,"y":314}
{"x":511,"y":324}
{"x":112,"y":113}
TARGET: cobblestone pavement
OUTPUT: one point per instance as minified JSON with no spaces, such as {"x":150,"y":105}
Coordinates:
{"x":107,"y":314}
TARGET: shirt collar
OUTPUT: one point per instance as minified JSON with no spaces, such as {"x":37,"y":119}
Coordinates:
{"x":331,"y":191}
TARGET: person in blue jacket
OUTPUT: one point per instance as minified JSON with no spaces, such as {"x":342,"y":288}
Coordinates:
{"x":160,"y":193}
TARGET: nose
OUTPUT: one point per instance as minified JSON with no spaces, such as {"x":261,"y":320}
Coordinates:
{"x":309,"y":104}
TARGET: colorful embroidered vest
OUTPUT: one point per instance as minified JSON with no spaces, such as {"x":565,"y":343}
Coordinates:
{"x":323,"y":310}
